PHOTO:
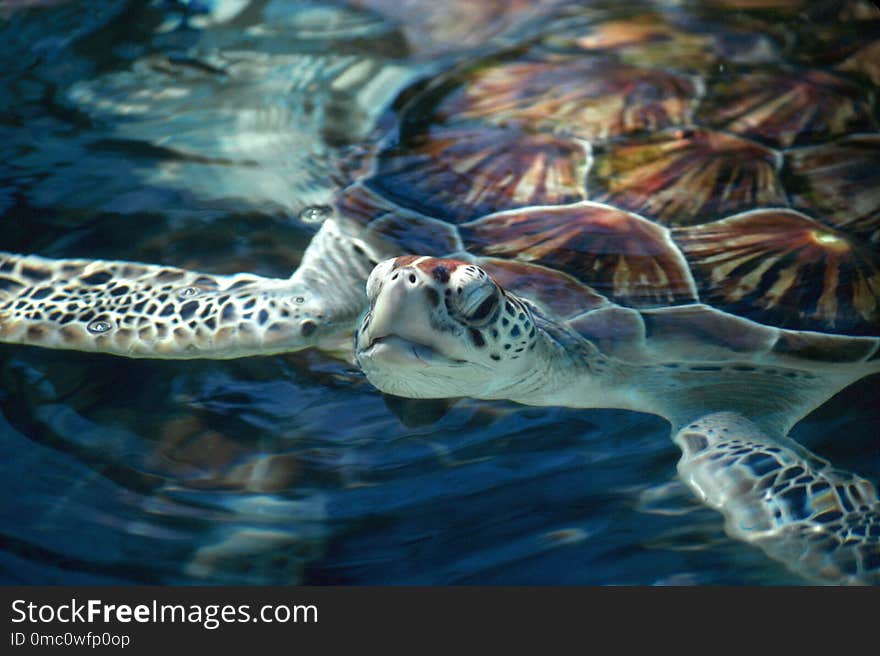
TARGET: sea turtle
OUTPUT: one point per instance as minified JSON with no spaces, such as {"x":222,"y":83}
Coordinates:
{"x":673,"y":214}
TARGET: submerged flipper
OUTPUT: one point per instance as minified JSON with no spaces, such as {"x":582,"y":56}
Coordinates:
{"x":151,"y":311}
{"x":820,"y":522}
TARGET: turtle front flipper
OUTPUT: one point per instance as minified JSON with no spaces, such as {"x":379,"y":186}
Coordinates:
{"x":152,"y":311}
{"x":819,"y":521}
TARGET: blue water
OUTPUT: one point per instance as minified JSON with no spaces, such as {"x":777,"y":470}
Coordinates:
{"x":195,"y":134}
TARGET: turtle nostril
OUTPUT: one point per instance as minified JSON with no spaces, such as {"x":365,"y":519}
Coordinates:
{"x":412,"y":277}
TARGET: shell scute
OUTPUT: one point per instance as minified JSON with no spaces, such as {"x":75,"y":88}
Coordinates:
{"x":414,"y":234}
{"x":850,"y":44}
{"x":410,"y":231}
{"x":679,"y":40}
{"x":560,"y":294}
{"x":682,"y":177}
{"x":433,"y":28}
{"x":359,"y":204}
{"x":865,"y":61}
{"x":783,"y":268}
{"x":786,"y":107}
{"x":615,"y":330}
{"x":840,"y":183}
{"x":589,"y":97}
{"x":730,"y":170}
{"x":824,"y":348}
{"x":619,"y":254}
{"x":711,"y":329}
{"x":462,"y":172}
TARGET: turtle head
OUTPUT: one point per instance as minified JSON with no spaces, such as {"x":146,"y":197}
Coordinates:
{"x":443,"y":328}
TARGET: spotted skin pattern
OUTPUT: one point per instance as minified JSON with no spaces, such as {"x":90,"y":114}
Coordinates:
{"x":143,"y":310}
{"x":499,"y":323}
{"x":821,"y":522}
{"x":152,"y":311}
{"x":517,"y":331}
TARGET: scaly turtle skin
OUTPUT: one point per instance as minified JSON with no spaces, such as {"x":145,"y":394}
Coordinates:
{"x":669,"y":213}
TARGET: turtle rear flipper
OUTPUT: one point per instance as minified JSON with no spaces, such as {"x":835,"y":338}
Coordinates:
{"x":153,"y":311}
{"x":773,"y":493}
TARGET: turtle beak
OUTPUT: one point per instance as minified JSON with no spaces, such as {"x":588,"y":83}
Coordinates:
{"x":399,"y":309}
{"x":399,"y":329}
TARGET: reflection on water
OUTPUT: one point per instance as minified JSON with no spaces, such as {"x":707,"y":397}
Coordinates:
{"x":195,"y":134}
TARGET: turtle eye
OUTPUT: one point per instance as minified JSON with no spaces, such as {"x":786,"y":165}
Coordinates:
{"x":478,"y":301}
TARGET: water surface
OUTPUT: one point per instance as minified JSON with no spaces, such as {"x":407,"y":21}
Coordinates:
{"x":159,"y":132}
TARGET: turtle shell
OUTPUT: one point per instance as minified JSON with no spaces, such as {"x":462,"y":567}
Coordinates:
{"x":708,"y":158}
